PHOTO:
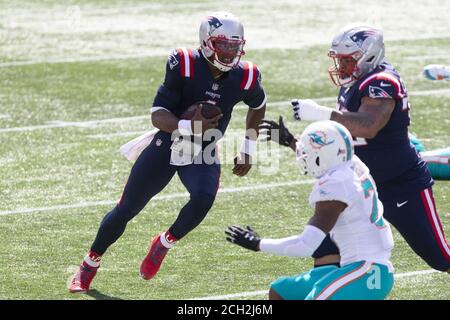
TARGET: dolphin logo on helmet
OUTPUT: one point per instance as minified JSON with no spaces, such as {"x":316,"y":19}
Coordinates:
{"x":318,"y":139}
{"x":323,"y":145}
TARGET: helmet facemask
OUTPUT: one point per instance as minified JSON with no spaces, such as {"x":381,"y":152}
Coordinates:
{"x":302,"y":157}
{"x":308,"y":160}
{"x":226,"y":52}
{"x":345,"y":70}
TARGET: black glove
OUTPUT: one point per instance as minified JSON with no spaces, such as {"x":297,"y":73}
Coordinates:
{"x":246,"y":238}
{"x":284,"y":136}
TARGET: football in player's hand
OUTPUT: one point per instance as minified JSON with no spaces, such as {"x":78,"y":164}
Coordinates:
{"x":209,"y":110}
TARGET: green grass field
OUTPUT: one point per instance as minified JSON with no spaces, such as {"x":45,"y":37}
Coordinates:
{"x":75,"y":84}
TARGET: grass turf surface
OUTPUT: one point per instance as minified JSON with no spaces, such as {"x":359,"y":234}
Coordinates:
{"x":43,"y":168}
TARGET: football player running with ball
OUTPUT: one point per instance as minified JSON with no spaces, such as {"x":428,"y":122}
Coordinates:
{"x":373,"y":105}
{"x":212,"y":73}
{"x":347,"y":208}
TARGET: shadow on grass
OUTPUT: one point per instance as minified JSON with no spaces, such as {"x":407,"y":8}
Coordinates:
{"x":97,"y":295}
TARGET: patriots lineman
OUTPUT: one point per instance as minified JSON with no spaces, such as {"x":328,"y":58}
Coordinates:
{"x":346,"y":208}
{"x":211,"y":73}
{"x":373,"y":105}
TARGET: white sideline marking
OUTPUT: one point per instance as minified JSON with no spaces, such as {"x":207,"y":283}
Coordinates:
{"x":264,"y":292}
{"x":163,"y":197}
{"x":94,"y":123}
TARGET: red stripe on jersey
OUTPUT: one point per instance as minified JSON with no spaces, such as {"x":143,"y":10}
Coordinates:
{"x":246,"y":74}
{"x":182,"y":63}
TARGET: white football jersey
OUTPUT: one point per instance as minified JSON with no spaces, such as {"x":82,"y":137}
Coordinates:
{"x":360,"y":232}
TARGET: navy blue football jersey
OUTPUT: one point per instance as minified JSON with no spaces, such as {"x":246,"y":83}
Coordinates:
{"x":189,"y":80}
{"x":392,"y":160}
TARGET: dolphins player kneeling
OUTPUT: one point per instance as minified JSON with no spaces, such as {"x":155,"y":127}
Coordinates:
{"x":346,"y":206}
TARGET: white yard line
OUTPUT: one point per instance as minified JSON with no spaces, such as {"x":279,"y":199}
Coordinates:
{"x":162,"y":53}
{"x":117,"y":134}
{"x":82,"y":124}
{"x":94,"y":123}
{"x":414,"y":273}
{"x":264,"y":292}
{"x":80,"y":59}
{"x":162,"y":197}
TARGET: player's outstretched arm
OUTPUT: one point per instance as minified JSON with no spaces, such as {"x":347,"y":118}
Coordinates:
{"x":371,"y":117}
{"x":277,"y":132}
{"x":303,"y":245}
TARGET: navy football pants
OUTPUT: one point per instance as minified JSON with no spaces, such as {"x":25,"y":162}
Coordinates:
{"x":414,"y":215}
{"x":150,"y":174}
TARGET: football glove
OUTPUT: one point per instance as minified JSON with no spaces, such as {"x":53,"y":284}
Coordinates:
{"x":309,"y":110}
{"x":284,"y":136}
{"x":246,"y":238}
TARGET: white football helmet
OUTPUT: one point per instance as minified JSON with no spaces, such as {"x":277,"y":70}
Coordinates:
{"x":222,"y":38}
{"x":356,"y":51}
{"x":322,"y":146}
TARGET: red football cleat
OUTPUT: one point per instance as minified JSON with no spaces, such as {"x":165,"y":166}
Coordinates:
{"x":154,"y":258}
{"x":82,"y":279}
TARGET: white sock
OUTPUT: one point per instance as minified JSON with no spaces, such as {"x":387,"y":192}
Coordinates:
{"x":93,"y":261}
{"x":167,"y":240}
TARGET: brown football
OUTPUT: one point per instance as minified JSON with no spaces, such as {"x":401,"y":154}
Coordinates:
{"x":209,"y":110}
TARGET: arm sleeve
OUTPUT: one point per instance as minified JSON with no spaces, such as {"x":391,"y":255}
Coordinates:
{"x":256,"y":96}
{"x":302,"y":245}
{"x":169,"y":93}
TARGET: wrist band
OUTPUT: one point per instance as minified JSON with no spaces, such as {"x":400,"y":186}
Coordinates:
{"x":248,"y":146}
{"x":185,"y":127}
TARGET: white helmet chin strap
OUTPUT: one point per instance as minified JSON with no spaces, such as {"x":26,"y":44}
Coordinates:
{"x":220,"y":66}
{"x":217,"y":64}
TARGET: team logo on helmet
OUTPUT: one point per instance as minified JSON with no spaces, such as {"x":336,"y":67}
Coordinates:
{"x":214,"y":23}
{"x":361,"y":36}
{"x":318,"y":139}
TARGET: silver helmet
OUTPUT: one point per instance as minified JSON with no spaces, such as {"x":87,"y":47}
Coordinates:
{"x":356,"y":51}
{"x":222,"y":40}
